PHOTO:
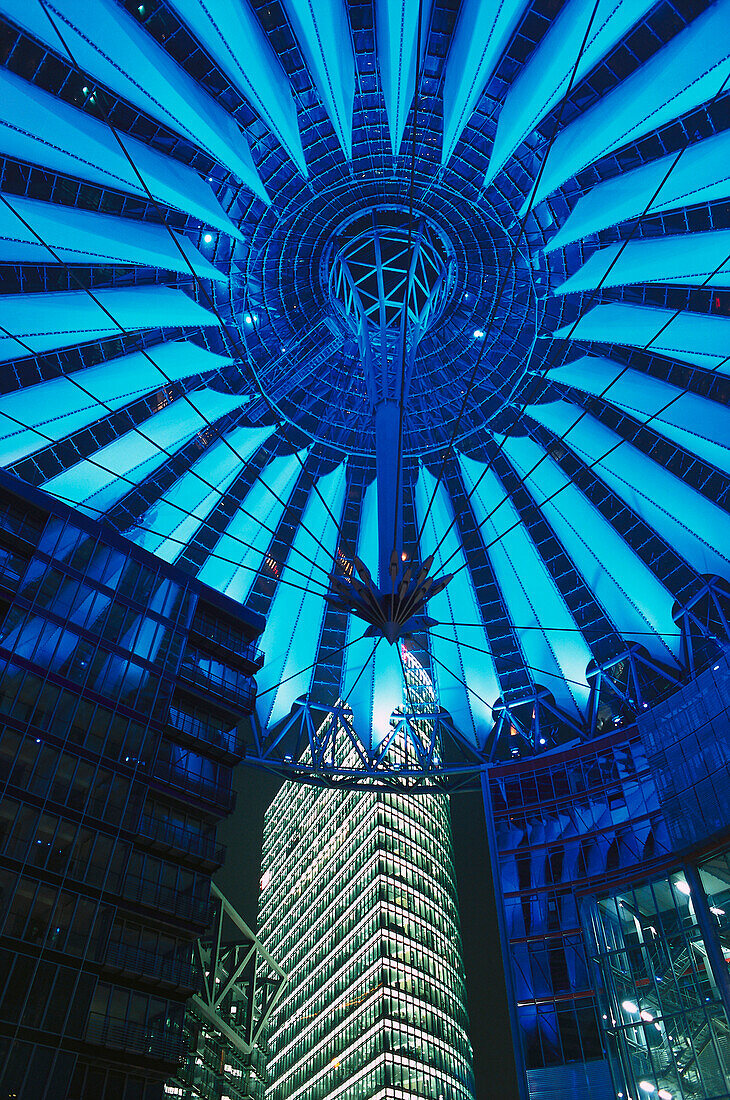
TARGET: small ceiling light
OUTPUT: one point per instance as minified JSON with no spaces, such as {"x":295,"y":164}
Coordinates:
{"x":683,"y":888}
{"x":647,"y":1016}
{"x":478,"y":333}
{"x":646,"y":1086}
{"x":207,"y":238}
{"x":248,"y":319}
{"x":664,"y":1094}
{"x":629,"y":1006}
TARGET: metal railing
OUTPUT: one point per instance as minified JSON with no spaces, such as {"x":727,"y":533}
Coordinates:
{"x":136,"y":960}
{"x":228,"y":638}
{"x":209,"y":733}
{"x":140,"y":1038}
{"x":193,"y":784}
{"x":237,"y":687}
{"x":180,"y":838}
{"x":159,"y":896}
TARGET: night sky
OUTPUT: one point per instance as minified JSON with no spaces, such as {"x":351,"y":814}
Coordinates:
{"x":490,"y":1031}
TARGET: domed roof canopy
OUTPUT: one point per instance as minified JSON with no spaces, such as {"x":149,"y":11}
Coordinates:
{"x":407,"y":323}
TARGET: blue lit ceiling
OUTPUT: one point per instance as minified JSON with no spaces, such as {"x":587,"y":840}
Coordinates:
{"x":176,"y":178}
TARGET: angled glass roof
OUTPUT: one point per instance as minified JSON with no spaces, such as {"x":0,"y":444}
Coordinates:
{"x":279,"y":278}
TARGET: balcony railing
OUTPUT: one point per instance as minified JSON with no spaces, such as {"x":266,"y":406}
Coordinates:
{"x":135,"y":960}
{"x":236,"y":688}
{"x":158,"y":896}
{"x":107,"y":1031}
{"x":209,"y":790}
{"x":212,"y":734}
{"x":181,"y":839}
{"x":227,"y":638}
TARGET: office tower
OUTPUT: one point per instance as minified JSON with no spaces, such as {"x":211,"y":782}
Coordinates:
{"x":123,"y":681}
{"x":408,"y":322}
{"x":358,"y":901}
{"x":237,"y":986}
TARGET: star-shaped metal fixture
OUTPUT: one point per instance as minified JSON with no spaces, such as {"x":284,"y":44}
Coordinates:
{"x":392,"y":613}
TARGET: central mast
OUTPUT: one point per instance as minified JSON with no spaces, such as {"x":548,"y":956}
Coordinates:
{"x":390,"y":279}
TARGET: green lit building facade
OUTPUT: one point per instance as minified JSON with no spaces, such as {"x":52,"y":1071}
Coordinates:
{"x":358,"y":904}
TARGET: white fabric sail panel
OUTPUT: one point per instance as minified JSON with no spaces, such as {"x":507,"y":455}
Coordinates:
{"x":692,"y":525}
{"x":688,"y":71}
{"x":396,"y":28}
{"x":232,"y":566}
{"x":41,"y":129}
{"x":38,"y":323}
{"x":372,"y":675}
{"x":294,"y":624}
{"x":112,"y":47}
{"x":557,"y":659}
{"x":582,"y":34}
{"x":54,"y":410}
{"x":633,"y":599}
{"x":699,"y":425}
{"x":701,"y":174}
{"x":322,"y":29}
{"x":234,"y":38}
{"x":83,"y":236}
{"x":483,"y":31}
{"x":691,"y":259}
{"x":95,"y":485}
{"x":697,"y":338}
{"x":466,"y":681}
{"x":173,"y":521}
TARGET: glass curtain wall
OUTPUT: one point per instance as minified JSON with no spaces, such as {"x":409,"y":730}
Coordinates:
{"x":109,"y":798}
{"x":359,"y":906}
{"x":660,"y":954}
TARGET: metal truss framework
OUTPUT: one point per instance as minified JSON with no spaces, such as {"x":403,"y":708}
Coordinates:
{"x":238,"y":986}
{"x":425,"y":751}
{"x":236,"y":971}
{"x":180,"y":363}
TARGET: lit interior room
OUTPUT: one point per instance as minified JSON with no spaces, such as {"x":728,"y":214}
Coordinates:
{"x":364,"y":549}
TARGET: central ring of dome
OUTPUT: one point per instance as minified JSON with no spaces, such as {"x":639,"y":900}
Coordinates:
{"x":302,"y":343}
{"x":385,"y":262}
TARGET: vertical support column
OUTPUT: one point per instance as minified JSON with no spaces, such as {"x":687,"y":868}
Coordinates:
{"x":709,"y":934}
{"x":390,"y":488}
{"x":504,"y":940}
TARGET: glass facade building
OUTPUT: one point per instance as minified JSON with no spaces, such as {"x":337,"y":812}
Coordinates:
{"x":613,"y":872}
{"x":123,"y":682}
{"x":660,"y":953}
{"x":358,"y":903}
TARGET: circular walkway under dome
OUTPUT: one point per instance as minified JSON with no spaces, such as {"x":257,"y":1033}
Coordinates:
{"x":406,"y":323}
